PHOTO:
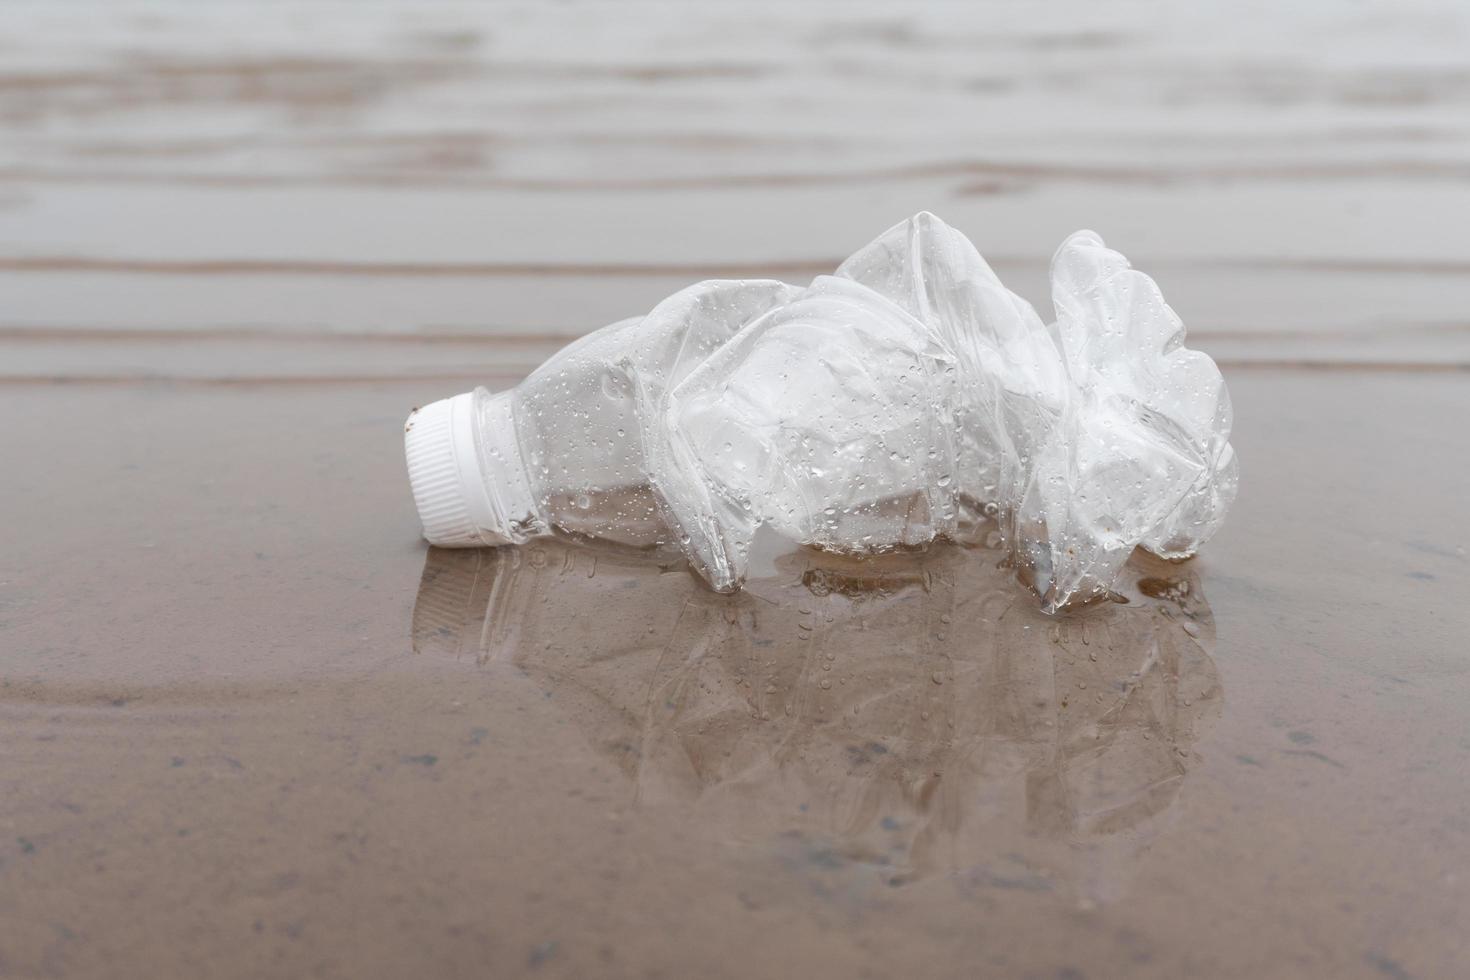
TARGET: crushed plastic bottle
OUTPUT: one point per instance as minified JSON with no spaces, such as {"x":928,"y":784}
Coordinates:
{"x":910,"y":396}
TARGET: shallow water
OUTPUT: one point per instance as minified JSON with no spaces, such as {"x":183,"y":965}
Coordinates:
{"x":250,"y":725}
{"x":889,"y":719}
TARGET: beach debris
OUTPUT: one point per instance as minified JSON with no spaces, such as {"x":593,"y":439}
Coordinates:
{"x":906,"y":398}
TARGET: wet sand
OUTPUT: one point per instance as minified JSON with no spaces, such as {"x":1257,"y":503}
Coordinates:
{"x":250,"y":725}
{"x":254,"y":729}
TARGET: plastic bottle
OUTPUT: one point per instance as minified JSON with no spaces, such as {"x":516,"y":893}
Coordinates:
{"x":910,"y":396}
{"x":562,"y":451}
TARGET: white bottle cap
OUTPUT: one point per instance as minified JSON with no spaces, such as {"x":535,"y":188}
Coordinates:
{"x":444,"y":470}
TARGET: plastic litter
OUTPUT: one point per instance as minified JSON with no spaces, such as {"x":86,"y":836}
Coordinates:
{"x":907,"y":397}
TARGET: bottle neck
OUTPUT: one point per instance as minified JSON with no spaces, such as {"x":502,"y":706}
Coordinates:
{"x":514,"y":514}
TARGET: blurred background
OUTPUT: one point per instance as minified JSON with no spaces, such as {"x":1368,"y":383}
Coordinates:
{"x":264,"y":191}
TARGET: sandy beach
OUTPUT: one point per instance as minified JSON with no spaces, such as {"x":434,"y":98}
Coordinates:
{"x":250,"y":725}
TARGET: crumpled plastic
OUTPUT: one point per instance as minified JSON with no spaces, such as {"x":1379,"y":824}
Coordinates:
{"x":907,"y":397}
{"x":911,"y":396}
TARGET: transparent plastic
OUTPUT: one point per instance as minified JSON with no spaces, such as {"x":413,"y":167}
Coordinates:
{"x":908,"y":397}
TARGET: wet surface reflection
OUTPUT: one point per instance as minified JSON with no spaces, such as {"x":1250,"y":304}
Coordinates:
{"x":900,"y":718}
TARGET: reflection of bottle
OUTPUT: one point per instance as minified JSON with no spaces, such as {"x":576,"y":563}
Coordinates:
{"x":909,"y":714}
{"x":908,"y":397}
